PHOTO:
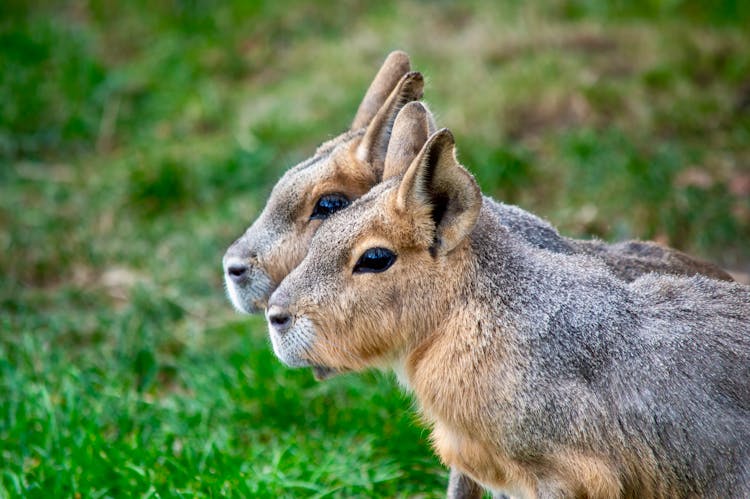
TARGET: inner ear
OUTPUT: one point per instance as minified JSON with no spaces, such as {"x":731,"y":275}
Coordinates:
{"x":438,"y":199}
{"x":439,"y":208}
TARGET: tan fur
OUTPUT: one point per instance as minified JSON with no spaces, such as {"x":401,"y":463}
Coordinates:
{"x":347,"y":165}
{"x":342,"y":178}
{"x":463,"y":443}
{"x":480,"y":461}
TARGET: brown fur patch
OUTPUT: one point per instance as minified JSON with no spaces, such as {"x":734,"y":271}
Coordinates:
{"x":480,"y":461}
{"x":589,"y":476}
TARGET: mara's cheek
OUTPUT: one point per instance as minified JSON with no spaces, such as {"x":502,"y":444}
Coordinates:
{"x":283,"y":258}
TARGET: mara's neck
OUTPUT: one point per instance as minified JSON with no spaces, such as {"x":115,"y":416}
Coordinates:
{"x":467,"y":334}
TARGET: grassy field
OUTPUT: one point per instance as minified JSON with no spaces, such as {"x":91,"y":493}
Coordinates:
{"x":138,"y":139}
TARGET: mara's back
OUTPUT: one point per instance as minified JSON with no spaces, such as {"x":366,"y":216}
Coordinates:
{"x":653,"y":375}
{"x":628,"y":260}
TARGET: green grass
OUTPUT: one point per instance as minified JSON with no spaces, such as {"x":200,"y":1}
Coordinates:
{"x":138,"y":139}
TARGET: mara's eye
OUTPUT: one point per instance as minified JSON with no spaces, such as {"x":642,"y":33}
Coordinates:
{"x":374,"y":260}
{"x":330,"y":203}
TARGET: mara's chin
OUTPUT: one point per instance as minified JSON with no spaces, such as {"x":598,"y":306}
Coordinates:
{"x":248,"y":301}
{"x":292,"y":344}
{"x":288,"y":352}
{"x":323,"y":373}
{"x":250,"y":307}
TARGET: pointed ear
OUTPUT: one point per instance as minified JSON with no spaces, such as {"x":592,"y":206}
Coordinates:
{"x":372,"y":148}
{"x":436,"y":184}
{"x":413,"y":125}
{"x":393,"y":68}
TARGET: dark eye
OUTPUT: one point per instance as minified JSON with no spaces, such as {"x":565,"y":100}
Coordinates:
{"x":330,"y":203}
{"x":374,"y":260}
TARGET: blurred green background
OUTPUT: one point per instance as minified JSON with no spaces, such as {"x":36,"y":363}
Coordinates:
{"x":138,"y":139}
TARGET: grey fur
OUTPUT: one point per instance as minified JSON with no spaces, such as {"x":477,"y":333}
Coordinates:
{"x":657,"y":368}
{"x":665,"y":360}
{"x":461,"y":486}
{"x":628,"y":260}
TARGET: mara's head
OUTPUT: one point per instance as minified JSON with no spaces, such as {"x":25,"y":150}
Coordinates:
{"x":381,"y":274}
{"x":340,"y":171}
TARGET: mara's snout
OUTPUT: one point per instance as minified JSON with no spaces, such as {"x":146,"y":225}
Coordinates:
{"x":291,"y":336}
{"x":280,"y":321}
{"x":248,"y":286}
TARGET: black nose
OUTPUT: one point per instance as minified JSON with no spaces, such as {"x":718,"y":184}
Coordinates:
{"x":237,"y":271}
{"x":279,"y":319}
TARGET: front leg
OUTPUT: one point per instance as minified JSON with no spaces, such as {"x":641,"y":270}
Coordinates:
{"x":461,"y":486}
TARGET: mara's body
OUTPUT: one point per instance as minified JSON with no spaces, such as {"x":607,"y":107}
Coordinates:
{"x":575,"y":384}
{"x":541,"y":373}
